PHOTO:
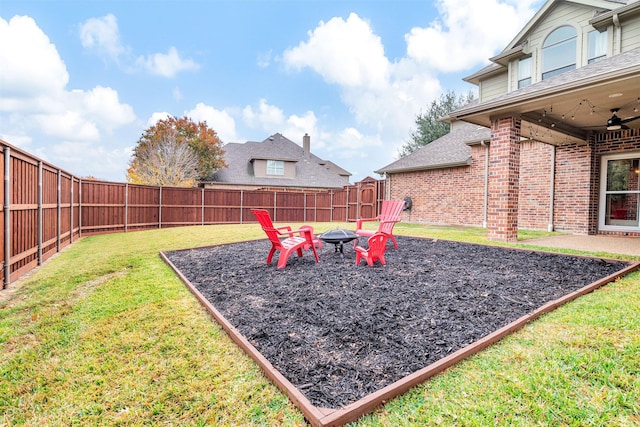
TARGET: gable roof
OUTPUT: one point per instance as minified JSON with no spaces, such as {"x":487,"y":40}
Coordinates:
{"x":546,"y":8}
{"x":611,"y":75}
{"x":311,"y":171}
{"x":450,"y":150}
{"x":518,"y":46}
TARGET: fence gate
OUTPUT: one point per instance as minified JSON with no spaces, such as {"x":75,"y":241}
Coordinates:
{"x":367,"y":200}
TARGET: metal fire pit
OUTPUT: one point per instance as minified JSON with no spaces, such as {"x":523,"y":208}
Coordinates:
{"x":338,"y":237}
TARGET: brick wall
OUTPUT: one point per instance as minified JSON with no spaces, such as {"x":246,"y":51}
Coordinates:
{"x":455,"y":196}
{"x":504,"y":179}
{"x":573,"y":188}
{"x":444,"y":196}
{"x":535,"y":185}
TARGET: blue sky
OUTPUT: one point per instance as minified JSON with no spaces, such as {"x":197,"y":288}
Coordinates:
{"x":81,"y":80}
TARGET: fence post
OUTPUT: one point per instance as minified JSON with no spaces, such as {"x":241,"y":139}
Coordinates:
{"x":40,"y":218}
{"x":7,"y":217}
{"x":275,"y":206}
{"x":331,"y":208}
{"x":71,"y":212}
{"x":202,"y":223}
{"x":126,"y":207}
{"x":59,"y":210}
{"x":346,"y":211}
{"x":160,"y":209}
{"x":241,"y":206}
{"x":79,"y":207}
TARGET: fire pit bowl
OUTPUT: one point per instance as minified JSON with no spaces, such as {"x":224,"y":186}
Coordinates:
{"x":338,"y":237}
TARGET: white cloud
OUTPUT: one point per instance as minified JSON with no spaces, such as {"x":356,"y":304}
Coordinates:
{"x":156,"y":117}
{"x":382,"y":95}
{"x":32,"y":61}
{"x":69,"y":125}
{"x":220,"y":121}
{"x":43,"y":116}
{"x":31,"y":66}
{"x":103,"y":36}
{"x":468,"y":33}
{"x":266,"y":116}
{"x":17,"y":139}
{"x":166,"y":65}
{"x":351,"y":143}
{"x":104,"y":107}
{"x":86,"y":159}
{"x":344,"y":52}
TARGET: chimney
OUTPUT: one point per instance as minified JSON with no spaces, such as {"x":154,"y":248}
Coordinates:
{"x":306,"y":146}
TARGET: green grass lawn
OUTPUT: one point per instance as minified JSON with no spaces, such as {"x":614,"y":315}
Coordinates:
{"x":106,"y":334}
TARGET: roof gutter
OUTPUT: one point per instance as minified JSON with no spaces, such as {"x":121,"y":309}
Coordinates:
{"x":527,"y":96}
{"x":427,"y":167}
{"x":602,"y":21}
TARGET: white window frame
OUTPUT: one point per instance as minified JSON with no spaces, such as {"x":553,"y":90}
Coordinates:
{"x":275,"y":167}
{"x":522,"y":77}
{"x":601,"y":37}
{"x":604,"y":160}
{"x":544,"y":52}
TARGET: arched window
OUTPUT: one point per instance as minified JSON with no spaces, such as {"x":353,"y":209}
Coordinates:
{"x":559,"y":51}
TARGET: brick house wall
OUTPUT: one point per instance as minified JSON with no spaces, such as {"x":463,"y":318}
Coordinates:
{"x":455,"y":196}
{"x":535,"y":185}
{"x":448,"y":196}
{"x":572,"y":188}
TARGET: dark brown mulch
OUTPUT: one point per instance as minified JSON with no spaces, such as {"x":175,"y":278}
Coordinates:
{"x":339,"y":331}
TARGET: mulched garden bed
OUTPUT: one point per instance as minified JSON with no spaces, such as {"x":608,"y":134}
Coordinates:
{"x":339,"y":332}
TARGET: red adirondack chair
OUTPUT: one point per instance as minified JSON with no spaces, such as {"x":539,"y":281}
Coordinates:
{"x":375,"y":252}
{"x":390,"y":214}
{"x":304,"y":240}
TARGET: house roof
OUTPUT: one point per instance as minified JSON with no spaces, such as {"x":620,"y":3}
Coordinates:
{"x":311,"y":172}
{"x":518,"y":46}
{"x":611,"y":83}
{"x":451,"y":150}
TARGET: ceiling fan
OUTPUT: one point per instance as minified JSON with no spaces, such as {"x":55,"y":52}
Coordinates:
{"x":617,"y":123}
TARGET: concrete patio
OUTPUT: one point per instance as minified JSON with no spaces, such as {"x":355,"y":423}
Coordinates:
{"x":599,"y":243}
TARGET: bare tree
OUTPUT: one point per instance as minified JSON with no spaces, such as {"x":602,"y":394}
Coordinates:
{"x":166,"y":162}
{"x":164,"y":154}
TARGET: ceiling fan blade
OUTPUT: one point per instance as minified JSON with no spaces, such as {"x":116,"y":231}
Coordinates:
{"x":630,"y":119}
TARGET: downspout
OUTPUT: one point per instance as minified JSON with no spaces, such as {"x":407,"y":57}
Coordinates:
{"x":552,"y":188}
{"x":486,"y":185}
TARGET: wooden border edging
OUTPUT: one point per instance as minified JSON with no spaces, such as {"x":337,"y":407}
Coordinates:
{"x":326,"y":417}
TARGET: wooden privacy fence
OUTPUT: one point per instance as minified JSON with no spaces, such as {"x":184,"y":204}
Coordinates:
{"x":44,"y":208}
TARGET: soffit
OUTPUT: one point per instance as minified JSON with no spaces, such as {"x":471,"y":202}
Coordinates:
{"x":568,"y":107}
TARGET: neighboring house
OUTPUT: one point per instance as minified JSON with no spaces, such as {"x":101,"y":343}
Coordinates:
{"x":276,"y":163}
{"x":553,"y":141}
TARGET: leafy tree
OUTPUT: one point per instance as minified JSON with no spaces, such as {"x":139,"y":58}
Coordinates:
{"x":428,"y":124}
{"x":176,"y":152}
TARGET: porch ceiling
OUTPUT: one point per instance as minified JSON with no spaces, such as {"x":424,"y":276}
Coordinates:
{"x":568,"y":109}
